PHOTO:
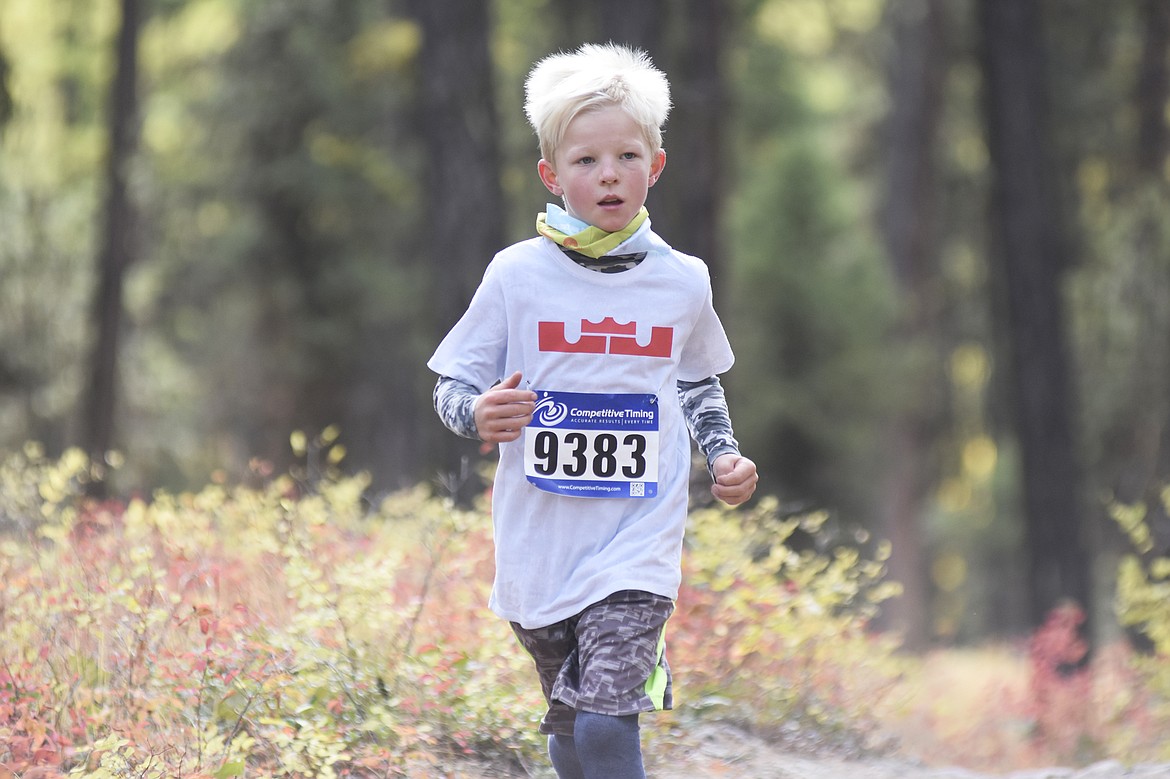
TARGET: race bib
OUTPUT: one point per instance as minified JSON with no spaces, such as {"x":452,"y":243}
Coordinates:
{"x":593,"y":445}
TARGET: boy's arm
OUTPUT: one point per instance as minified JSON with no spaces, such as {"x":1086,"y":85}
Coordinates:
{"x":455,"y":404}
{"x":705,"y":408}
{"x":495,"y":416}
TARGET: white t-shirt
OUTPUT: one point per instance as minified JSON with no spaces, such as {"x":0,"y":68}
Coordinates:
{"x":604,"y":353}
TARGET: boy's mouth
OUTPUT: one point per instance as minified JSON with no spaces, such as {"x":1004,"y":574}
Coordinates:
{"x":610,"y":201}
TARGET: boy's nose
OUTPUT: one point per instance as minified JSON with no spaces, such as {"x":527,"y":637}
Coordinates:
{"x":609,"y":172}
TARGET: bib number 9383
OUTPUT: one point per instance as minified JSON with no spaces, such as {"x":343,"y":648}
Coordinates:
{"x":593,"y":445}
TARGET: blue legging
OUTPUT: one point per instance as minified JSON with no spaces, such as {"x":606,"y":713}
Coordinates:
{"x":601,"y":747}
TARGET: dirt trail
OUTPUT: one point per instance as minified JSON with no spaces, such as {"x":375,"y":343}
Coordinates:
{"x":720,"y":751}
{"x":723,"y":752}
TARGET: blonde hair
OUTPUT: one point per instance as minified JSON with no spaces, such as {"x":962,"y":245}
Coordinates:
{"x":562,"y":85}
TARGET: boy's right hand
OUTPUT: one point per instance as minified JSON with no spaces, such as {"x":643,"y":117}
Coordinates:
{"x":502,"y":412}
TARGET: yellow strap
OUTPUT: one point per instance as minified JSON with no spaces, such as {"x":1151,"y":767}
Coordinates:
{"x":656,"y":684}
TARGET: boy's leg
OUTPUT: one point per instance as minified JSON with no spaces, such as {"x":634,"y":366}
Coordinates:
{"x":550,"y":648}
{"x":606,"y":664}
{"x":562,"y":751}
{"x":618,"y":670}
{"x":611,"y":745}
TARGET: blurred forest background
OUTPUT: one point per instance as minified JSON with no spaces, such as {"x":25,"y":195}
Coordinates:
{"x":937,"y":231}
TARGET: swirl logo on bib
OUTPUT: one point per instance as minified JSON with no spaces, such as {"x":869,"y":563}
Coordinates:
{"x":549,"y":412}
{"x":593,"y":445}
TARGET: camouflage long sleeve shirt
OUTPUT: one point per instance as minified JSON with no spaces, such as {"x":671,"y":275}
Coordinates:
{"x":703,"y":402}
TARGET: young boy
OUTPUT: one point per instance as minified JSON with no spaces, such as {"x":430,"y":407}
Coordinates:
{"x":587,"y":353}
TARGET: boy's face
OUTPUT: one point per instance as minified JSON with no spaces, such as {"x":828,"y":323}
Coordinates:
{"x":603,"y":168}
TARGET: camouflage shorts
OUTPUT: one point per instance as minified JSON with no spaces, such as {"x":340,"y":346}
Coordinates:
{"x":609,"y":659}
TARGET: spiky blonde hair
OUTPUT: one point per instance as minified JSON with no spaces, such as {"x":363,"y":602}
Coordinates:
{"x":562,"y":85}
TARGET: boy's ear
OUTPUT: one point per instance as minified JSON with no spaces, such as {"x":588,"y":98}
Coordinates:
{"x":548,"y":177}
{"x":657,"y":165}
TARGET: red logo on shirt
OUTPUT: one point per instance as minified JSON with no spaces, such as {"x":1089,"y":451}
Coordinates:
{"x":606,"y":337}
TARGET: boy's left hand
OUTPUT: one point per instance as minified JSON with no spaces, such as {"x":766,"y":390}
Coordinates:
{"x":735,"y":478}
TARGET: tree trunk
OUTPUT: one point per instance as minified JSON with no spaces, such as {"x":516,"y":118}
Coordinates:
{"x":637,"y":24}
{"x":917,"y":73}
{"x":1153,"y":89}
{"x":6,"y":107}
{"x":685,"y":205}
{"x":1028,"y":258}
{"x":459,"y":121}
{"x":118,"y":246}
{"x":465,"y":200}
{"x":693,"y":186}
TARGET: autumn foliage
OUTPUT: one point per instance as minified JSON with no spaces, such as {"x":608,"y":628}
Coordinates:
{"x":300,"y":628}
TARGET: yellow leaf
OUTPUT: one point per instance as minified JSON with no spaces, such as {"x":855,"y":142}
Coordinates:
{"x":299,"y":443}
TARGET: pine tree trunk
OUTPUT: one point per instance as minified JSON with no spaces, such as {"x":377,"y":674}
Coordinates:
{"x":909,"y":227}
{"x":692,"y":188}
{"x":1153,"y":89}
{"x":1028,"y":259}
{"x":461,"y":128}
{"x":465,"y":200}
{"x":118,"y":246}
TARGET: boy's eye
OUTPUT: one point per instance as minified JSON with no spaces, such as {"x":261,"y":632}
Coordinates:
{"x":630,"y":155}
{"x":585,"y":161}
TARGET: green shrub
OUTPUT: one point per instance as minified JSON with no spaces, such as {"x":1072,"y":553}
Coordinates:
{"x":303,"y":632}
{"x":1143,"y":602}
{"x":779,"y":637}
{"x":296,"y":629}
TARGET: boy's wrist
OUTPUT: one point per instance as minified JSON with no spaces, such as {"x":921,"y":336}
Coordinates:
{"x":718,"y":452}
